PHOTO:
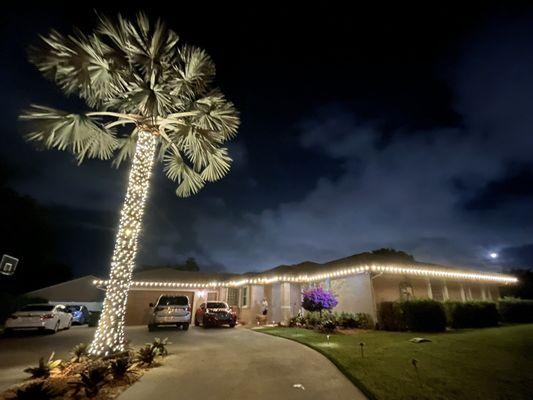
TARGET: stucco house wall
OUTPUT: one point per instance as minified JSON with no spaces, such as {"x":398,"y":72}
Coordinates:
{"x":354,"y":294}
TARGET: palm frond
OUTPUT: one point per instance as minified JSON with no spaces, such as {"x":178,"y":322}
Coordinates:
{"x":126,"y":148}
{"x":81,"y":64}
{"x":83,"y":136}
{"x":190,"y":182}
{"x":218,"y":165}
{"x":217,"y":115}
{"x":193,"y":74}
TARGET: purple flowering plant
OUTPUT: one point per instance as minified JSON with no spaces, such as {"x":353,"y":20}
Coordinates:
{"x":318,"y":299}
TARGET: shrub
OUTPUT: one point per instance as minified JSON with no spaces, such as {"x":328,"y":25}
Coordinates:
{"x":327,"y":326}
{"x":121,"y":367}
{"x":424,"y":315}
{"x":318,"y":299}
{"x":350,"y":321}
{"x":159,"y":346}
{"x":515,"y":310}
{"x":347,"y":320}
{"x":297,"y":321}
{"x":37,"y":391}
{"x":92,"y":379}
{"x":472,"y":314}
{"x":364,"y":321}
{"x":146,"y":355}
{"x":390,"y":316}
{"x":312,"y":319}
{"x":43,"y":369}
{"x":79,"y":352}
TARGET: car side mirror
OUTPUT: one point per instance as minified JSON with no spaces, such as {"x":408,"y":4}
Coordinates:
{"x":151,"y":304}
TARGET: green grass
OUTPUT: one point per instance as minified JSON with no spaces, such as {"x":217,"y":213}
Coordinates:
{"x":491,"y":363}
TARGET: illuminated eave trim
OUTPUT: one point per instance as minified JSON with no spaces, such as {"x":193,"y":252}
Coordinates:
{"x":307,"y":278}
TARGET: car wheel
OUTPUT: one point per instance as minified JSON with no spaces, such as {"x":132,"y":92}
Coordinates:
{"x":68,"y":325}
{"x":196,"y":323}
{"x":8,"y":331}
{"x":55,"y":328}
{"x":205,"y":324}
{"x":151,"y":328}
{"x":232,"y":325}
{"x":185,"y":327}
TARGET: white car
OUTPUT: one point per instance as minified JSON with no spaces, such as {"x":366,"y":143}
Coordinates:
{"x":49,"y":317}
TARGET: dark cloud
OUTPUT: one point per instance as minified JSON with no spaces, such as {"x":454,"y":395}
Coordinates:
{"x":515,"y":186}
{"x":413,"y":133}
{"x":518,"y":256}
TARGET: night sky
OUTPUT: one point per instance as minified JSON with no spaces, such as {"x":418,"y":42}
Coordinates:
{"x":362,"y":128}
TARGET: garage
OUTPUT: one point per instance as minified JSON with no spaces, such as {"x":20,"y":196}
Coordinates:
{"x":138,"y":308}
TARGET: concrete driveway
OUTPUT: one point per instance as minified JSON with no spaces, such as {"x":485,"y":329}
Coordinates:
{"x":208,"y":364}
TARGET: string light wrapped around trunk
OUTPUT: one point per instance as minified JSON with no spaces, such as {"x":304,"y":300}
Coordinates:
{"x":109,"y":337}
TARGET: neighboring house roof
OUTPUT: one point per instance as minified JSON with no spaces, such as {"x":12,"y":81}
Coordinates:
{"x":80,"y":289}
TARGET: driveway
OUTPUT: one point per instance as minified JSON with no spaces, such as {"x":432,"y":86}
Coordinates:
{"x":209,"y":364}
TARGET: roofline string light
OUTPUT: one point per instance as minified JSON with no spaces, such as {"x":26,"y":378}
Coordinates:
{"x":109,"y":337}
{"x":306,"y":278}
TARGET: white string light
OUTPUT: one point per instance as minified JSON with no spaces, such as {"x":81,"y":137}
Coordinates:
{"x":305,"y":278}
{"x":109,"y":336}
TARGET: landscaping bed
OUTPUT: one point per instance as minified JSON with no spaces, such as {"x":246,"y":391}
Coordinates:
{"x":489,"y":363}
{"x":86,"y":377}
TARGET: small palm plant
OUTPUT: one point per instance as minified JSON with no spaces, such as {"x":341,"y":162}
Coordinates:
{"x":44,"y":368}
{"x":37,"y":391}
{"x":79,"y":352}
{"x":152,"y":97}
{"x":160,"y":346}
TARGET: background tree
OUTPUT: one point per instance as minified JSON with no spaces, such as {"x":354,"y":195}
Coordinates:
{"x":523,"y":289}
{"x":135,"y":75}
{"x":190,"y":265}
{"x":318,"y":299}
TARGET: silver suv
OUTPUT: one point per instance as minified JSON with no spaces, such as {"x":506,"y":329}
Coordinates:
{"x":170,"y":310}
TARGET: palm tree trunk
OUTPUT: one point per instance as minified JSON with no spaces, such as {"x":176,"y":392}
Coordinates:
{"x":109,"y":337}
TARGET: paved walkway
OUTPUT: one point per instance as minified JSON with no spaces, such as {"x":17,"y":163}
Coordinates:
{"x":204,"y":364}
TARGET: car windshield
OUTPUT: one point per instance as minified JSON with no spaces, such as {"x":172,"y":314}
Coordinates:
{"x":173,"y":301}
{"x":37,"y":307}
{"x":73,"y":308}
{"x":216,"y":305}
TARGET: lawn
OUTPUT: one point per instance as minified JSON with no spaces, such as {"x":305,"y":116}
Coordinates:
{"x":491,"y":363}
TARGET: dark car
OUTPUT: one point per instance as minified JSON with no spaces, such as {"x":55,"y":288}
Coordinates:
{"x":215,"y":313}
{"x":80,"y":314}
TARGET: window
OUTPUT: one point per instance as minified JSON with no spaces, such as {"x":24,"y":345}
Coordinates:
{"x":437,"y":290}
{"x":233,"y":296}
{"x":173,"y":301}
{"x":406,"y":291}
{"x":244,"y":296}
{"x":212,"y":296}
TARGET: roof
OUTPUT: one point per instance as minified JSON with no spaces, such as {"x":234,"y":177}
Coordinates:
{"x":309,"y":271}
{"x":170,"y":274}
{"x":79,"y":289}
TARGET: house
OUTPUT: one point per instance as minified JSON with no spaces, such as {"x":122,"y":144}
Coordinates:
{"x":80,"y":291}
{"x":361,"y":282}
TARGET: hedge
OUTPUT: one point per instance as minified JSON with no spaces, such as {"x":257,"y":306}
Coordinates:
{"x":471,"y":314}
{"x":390,"y":316}
{"x":434,"y":316}
{"x":424,"y":315}
{"x":515,"y":310}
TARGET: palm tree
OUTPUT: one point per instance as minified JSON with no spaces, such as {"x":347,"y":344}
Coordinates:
{"x":151,"y":98}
